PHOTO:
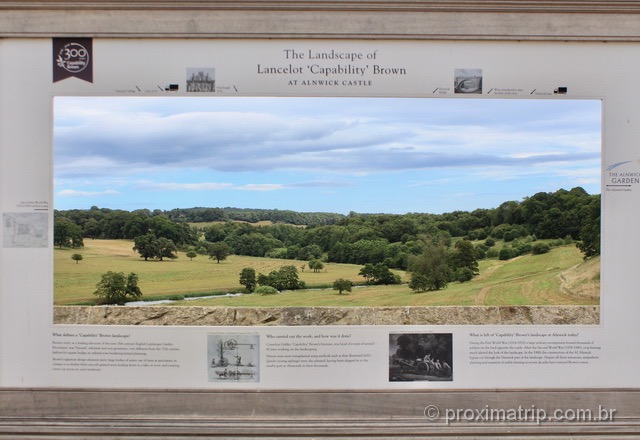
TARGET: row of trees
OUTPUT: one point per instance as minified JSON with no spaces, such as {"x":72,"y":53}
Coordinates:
{"x":562,"y":213}
{"x":119,"y":224}
{"x":201,"y":215}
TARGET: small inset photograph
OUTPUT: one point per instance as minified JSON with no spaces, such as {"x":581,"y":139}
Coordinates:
{"x":468,"y":81}
{"x":233,"y":358}
{"x":201,"y":80}
{"x":420,"y":357}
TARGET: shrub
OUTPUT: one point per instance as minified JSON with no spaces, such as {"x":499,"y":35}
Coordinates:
{"x":540,"y":248}
{"x":522,"y":248}
{"x":280,"y":252}
{"x":478,"y":234}
{"x":266,"y":290}
{"x":481,"y":251}
{"x":463,"y":274}
{"x":506,"y":253}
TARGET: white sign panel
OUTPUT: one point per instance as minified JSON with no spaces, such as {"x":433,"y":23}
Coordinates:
{"x":344,"y":127}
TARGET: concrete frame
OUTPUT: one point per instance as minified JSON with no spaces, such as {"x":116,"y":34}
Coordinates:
{"x":139,"y":414}
{"x":573,"y":20}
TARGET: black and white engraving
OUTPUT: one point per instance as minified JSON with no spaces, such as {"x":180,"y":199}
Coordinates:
{"x":468,"y":81}
{"x":420,"y":357}
{"x":201,"y":80}
{"x":233,"y":357}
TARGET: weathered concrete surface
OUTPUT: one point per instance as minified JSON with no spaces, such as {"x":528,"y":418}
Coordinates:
{"x":294,"y":316}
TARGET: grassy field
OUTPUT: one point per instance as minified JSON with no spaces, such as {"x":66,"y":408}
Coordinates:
{"x":75,"y":283}
{"x":558,"y":277}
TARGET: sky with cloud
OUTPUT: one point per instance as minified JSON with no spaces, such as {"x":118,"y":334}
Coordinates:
{"x":367,"y":155}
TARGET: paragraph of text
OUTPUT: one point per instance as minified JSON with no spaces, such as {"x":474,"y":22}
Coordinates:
{"x":97,"y":351}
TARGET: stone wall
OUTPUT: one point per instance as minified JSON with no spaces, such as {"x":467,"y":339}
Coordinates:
{"x":292,"y":316}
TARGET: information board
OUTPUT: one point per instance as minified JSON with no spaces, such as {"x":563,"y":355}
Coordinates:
{"x":48,"y":86}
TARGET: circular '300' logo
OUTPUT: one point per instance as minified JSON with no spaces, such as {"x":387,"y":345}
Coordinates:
{"x":73,"y":58}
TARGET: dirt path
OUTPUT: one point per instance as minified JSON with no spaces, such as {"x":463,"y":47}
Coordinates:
{"x":481,"y":295}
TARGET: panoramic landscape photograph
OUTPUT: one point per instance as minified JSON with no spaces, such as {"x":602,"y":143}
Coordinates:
{"x":317,"y":201}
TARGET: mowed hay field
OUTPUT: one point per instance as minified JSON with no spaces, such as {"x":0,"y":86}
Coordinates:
{"x":559,"y":277}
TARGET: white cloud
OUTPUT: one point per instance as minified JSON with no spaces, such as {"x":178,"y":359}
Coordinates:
{"x":251,"y":146}
{"x":263,"y":136}
{"x":261,"y":187}
{"x":173,"y":186}
{"x":77,"y":193}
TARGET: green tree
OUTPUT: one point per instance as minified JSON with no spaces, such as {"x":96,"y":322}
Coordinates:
{"x":342,"y":285}
{"x":248,"y":278}
{"x":311,"y":252}
{"x":316,"y":265}
{"x":67,"y":234}
{"x":589,"y":243}
{"x":116,"y":288}
{"x":368,"y":272}
{"x":285,"y":278}
{"x":135,"y":226}
{"x":213,"y":215}
{"x":464,"y":260}
{"x":91,"y":228}
{"x":252,"y":243}
{"x":379,"y":274}
{"x":150,"y":246}
{"x":368,"y":251}
{"x":219,"y":251}
{"x":147,"y":246}
{"x":191,"y":255}
{"x":178,"y":233}
{"x":166,"y":249}
{"x":216,"y":232}
{"x":76,"y":257}
{"x":383,"y":275}
{"x":430,"y":270}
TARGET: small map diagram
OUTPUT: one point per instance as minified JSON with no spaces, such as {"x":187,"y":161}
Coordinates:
{"x":233,"y":358}
{"x":25,"y":230}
